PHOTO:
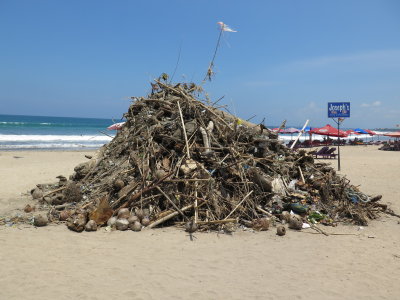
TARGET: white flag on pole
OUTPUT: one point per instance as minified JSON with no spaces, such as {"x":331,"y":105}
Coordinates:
{"x":225,"y":27}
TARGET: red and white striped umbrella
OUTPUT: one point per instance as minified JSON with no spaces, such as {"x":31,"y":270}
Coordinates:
{"x":370,"y":132}
{"x":329,"y":131}
{"x":116,"y":126}
{"x":395,"y":134}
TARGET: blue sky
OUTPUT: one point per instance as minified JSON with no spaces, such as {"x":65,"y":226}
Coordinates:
{"x":287,"y":60}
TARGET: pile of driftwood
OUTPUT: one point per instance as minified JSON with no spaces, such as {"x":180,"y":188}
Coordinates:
{"x":179,"y":160}
{"x":395,"y":146}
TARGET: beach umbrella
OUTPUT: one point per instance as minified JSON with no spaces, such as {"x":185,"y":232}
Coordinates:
{"x":365,"y":131}
{"x":370,"y":132}
{"x":329,"y":131}
{"x":359,"y":130}
{"x":395,"y":134}
{"x":290,"y":130}
{"x":351,"y":131}
{"x":116,"y":126}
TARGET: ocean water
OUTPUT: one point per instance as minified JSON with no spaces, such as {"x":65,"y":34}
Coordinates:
{"x":19,"y":132}
{"x":52,"y":133}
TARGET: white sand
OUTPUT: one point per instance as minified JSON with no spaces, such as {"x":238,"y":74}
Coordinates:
{"x":55,"y":263}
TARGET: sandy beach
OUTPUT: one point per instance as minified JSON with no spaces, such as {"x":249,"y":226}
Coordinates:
{"x":55,"y":263}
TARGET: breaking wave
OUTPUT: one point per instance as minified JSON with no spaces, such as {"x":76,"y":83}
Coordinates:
{"x":37,"y":138}
{"x":15,"y":142}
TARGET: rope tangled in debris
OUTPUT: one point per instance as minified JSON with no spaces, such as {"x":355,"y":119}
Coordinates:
{"x":355,"y":196}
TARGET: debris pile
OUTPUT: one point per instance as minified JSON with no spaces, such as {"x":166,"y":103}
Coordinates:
{"x":394,"y":146}
{"x":178,"y":160}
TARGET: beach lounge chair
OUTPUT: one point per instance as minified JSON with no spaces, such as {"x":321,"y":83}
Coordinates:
{"x":312,"y":152}
{"x":329,"y":153}
{"x":321,"y":152}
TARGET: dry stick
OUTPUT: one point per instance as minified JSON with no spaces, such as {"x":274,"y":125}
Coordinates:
{"x":213,"y":222}
{"x":301,"y":174}
{"x":251,"y":118}
{"x":55,"y":191}
{"x":355,"y":234}
{"x":283,"y":124}
{"x":184,"y":130}
{"x":209,"y":70}
{"x":188,"y":180}
{"x":205,"y":139}
{"x":127,"y":171}
{"x":215,"y":102}
{"x":87,"y":204}
{"x":214,"y":148}
{"x":265,"y":212}
{"x":196,"y":209}
{"x":245,"y":197}
{"x":179,"y":163}
{"x":201,"y":104}
{"x":106,"y":134}
{"x":316,"y":228}
{"x":344,"y":234}
{"x":62,"y":206}
{"x":190,"y":196}
{"x":392,"y":213}
{"x":99,"y":160}
{"x":172,"y":202}
{"x":144,"y":177}
{"x":209,"y":129}
{"x":151,"y":186}
{"x":299,"y":135}
{"x":226,"y":156}
{"x":126,"y":194}
{"x":144,"y":201}
{"x":177,"y":62}
{"x":170,"y":216}
{"x":215,"y":115}
{"x":156,"y":100}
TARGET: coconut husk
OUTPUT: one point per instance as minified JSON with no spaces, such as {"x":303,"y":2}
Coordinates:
{"x":261,"y":224}
{"x":77,"y":222}
{"x":102,"y":213}
{"x":280,"y":230}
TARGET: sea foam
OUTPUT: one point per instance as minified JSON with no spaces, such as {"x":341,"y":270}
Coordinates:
{"x":38,"y":138}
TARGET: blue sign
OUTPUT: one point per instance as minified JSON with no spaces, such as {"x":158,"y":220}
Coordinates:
{"x":338,"y":109}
